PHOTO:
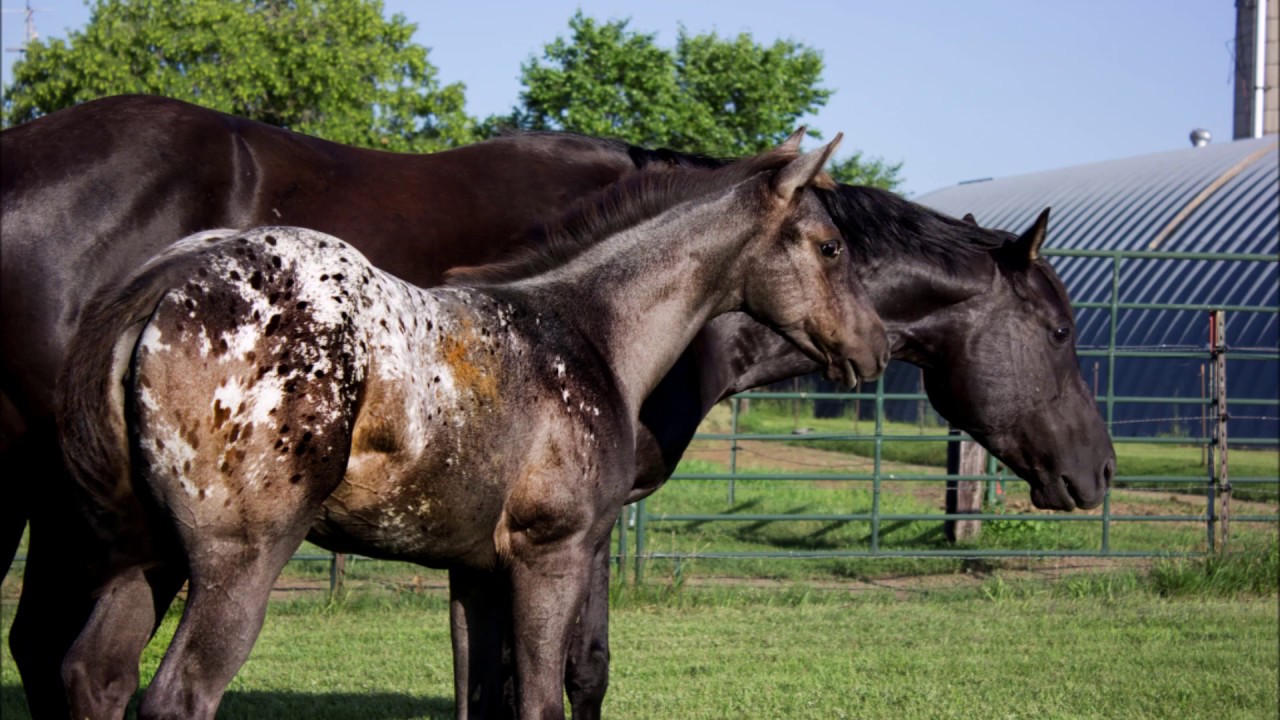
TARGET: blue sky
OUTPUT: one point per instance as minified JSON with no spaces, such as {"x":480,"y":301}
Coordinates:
{"x":955,"y":90}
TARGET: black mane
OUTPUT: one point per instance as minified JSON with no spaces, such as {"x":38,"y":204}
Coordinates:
{"x":644,"y":157}
{"x":877,"y":222}
{"x":641,"y":157}
{"x":635,"y":198}
{"x":874,"y":221}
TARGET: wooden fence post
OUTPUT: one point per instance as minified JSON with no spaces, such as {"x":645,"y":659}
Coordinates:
{"x":1220,"y":406}
{"x":337,"y":572}
{"x":964,"y":457}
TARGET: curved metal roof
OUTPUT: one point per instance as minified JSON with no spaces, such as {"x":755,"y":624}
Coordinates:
{"x":1216,"y":198}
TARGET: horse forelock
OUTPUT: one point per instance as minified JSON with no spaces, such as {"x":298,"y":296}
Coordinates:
{"x":879,"y":224}
{"x":635,"y":198}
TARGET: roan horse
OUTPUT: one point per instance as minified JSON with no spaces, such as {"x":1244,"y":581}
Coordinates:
{"x":244,"y":384}
{"x":89,"y":193}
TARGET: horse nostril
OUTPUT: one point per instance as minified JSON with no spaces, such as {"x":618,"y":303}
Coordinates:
{"x":1109,"y":471}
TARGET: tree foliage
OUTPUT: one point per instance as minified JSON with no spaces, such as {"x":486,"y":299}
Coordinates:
{"x":332,"y":68}
{"x":725,"y":97}
{"x":857,"y":170}
{"x":339,"y":70}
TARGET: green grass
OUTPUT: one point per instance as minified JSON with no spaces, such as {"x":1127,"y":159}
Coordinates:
{"x":1005,"y":650}
{"x":774,"y":421}
{"x":755,"y":497}
{"x":1132,"y":459}
{"x":1148,"y":641}
{"x":760,"y":497}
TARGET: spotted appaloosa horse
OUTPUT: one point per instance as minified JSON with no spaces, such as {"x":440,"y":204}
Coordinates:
{"x":89,"y":193}
{"x":248,"y":383}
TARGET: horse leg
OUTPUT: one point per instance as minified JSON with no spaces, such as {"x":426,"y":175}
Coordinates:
{"x":21,"y":474}
{"x":587,"y":674}
{"x":231,"y":580}
{"x":57,"y":598}
{"x":480,"y":621}
{"x":549,"y":586}
{"x":13,"y":518}
{"x":101,"y":669}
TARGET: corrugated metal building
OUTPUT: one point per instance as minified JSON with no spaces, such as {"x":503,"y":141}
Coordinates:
{"x":1215,"y":198}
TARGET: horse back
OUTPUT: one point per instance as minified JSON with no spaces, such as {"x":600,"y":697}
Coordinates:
{"x":90,"y":192}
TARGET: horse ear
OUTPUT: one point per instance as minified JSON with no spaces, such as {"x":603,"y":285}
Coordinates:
{"x":1030,"y":242}
{"x":792,"y":143}
{"x":969,"y":218}
{"x":803,"y":170}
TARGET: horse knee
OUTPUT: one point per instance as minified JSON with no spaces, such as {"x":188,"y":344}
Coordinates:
{"x":98,"y":689}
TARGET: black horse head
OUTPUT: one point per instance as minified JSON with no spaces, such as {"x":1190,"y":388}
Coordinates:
{"x":990,"y":324}
{"x":1011,"y":379}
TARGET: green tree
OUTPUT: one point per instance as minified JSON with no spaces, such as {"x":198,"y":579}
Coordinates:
{"x":336,"y":69}
{"x":724,"y":97}
{"x":857,"y":170}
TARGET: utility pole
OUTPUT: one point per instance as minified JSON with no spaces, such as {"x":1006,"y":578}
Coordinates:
{"x":29,"y":30}
{"x":29,"y":34}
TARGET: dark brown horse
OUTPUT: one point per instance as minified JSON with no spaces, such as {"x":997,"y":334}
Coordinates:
{"x":273,"y":376}
{"x":91,"y":192}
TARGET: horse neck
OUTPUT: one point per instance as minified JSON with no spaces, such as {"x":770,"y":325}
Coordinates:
{"x":915,"y":298}
{"x":915,"y":264}
{"x":642,"y":295}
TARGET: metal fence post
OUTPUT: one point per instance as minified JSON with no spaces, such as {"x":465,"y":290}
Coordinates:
{"x":1112,"y":334}
{"x":1106,"y":522}
{"x":1111,"y":341}
{"x":622,"y":544}
{"x":641,"y":511}
{"x":733,"y":447}
{"x":876,"y":474}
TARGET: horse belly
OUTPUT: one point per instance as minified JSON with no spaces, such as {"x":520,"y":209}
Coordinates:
{"x":432,"y":510}
{"x":436,"y":437}
{"x":424,"y":482}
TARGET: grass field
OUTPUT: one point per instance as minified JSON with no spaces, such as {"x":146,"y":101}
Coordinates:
{"x":898,"y":638}
{"x":1003,"y":651}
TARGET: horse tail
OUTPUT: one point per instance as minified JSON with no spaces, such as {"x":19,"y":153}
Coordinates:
{"x":93,"y":397}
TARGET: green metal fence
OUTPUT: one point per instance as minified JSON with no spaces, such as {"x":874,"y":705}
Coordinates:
{"x":635,"y":525}
{"x":634,"y":548}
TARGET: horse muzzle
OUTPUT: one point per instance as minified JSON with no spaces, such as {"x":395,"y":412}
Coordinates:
{"x":862,"y":362}
{"x":1071,"y":491}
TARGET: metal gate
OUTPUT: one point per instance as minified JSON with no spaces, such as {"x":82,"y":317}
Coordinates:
{"x":638,"y":522}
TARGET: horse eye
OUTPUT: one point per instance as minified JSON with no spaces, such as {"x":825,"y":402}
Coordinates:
{"x":1062,"y":334}
{"x":831,"y":248}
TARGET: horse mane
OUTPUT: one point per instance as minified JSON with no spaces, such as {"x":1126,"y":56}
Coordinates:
{"x":633,"y":199}
{"x":640,"y":156}
{"x":644,"y":157}
{"x":877,"y":223}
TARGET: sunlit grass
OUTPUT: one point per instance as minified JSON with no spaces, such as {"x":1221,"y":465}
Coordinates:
{"x":1098,"y":647}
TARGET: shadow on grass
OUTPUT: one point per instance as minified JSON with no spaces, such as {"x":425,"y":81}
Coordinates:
{"x":694,"y":525}
{"x":312,"y":705}
{"x":929,"y":537}
{"x":333,"y":706}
